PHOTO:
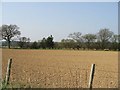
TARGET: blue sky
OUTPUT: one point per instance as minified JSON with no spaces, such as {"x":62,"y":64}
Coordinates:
{"x":38,"y":20}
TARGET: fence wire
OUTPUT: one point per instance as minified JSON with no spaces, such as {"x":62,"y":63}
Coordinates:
{"x":61,"y":77}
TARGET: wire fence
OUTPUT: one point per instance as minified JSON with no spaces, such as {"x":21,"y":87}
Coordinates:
{"x":69,"y":78}
{"x":78,"y":78}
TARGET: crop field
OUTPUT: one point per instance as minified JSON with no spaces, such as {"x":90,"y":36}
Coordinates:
{"x":61,"y":68}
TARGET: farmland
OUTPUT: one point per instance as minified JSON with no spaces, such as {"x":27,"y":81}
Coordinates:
{"x":61,"y":68}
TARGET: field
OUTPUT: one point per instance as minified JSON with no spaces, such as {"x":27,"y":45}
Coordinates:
{"x":61,"y":68}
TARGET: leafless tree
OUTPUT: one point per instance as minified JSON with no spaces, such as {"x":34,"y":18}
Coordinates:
{"x":8,"y":32}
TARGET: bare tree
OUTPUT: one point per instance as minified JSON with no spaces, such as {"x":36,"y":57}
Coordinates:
{"x":104,"y":35}
{"x":114,"y":38}
{"x":114,"y":42}
{"x":119,"y":38}
{"x":76,"y":36}
{"x":68,"y":43}
{"x":8,"y":32}
{"x":89,"y":38}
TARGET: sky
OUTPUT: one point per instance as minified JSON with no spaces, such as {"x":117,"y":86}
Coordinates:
{"x":41,"y":19}
{"x":60,"y":0}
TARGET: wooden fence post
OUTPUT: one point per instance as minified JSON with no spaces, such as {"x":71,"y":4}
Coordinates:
{"x":8,"y":71}
{"x":91,"y":76}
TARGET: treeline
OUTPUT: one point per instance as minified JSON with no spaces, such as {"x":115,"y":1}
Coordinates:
{"x":103,"y":40}
{"x":44,"y":43}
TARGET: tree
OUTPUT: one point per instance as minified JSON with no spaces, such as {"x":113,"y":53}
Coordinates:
{"x":34,"y":45}
{"x":43,"y":43}
{"x":68,"y":43}
{"x":104,"y":35}
{"x":114,"y":42}
{"x":50,"y":42}
{"x":119,"y":38}
{"x":89,"y":39}
{"x":76,"y":36}
{"x":8,"y":32}
{"x":119,"y":42}
{"x":23,"y":42}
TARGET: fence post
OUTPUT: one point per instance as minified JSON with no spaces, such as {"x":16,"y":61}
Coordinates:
{"x":8,"y":71}
{"x":91,"y":76}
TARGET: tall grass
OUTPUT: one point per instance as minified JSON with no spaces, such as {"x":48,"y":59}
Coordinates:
{"x":5,"y":86}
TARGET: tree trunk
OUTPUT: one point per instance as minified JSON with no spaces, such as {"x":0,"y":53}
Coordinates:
{"x":8,"y":43}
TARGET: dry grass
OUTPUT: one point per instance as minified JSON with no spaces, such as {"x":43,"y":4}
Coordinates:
{"x":62,"y":68}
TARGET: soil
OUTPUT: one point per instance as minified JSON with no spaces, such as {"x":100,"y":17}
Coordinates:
{"x":61,"y":68}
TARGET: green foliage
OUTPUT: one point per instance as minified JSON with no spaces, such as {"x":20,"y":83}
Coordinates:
{"x":43,"y":43}
{"x":24,"y":42}
{"x":49,"y":42}
{"x":34,"y":45}
{"x":68,"y":43}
